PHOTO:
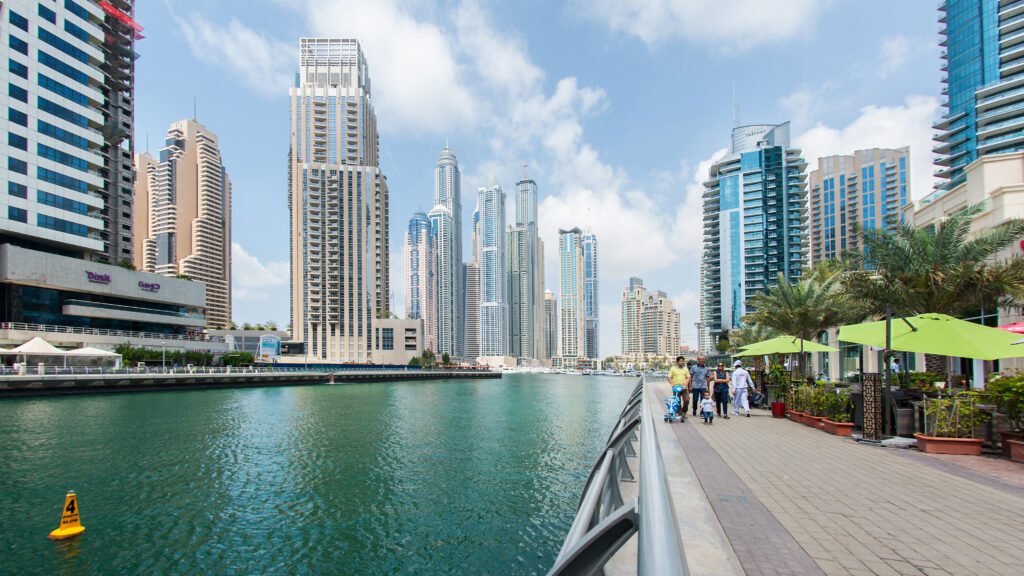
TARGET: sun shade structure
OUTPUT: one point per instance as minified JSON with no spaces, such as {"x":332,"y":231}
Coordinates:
{"x":937,"y":334}
{"x":38,"y":347}
{"x":783,"y":345}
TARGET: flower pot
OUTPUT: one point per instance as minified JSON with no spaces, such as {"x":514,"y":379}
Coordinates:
{"x":1016,"y":450}
{"x":795,"y":416}
{"x":778,"y":409}
{"x":837,"y":428}
{"x":962,"y":446}
{"x":1004,"y":440}
{"x":813,"y":421}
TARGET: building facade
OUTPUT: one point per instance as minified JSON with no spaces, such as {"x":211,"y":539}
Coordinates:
{"x":448,"y":194}
{"x":183,"y":215}
{"x":471,"y":318}
{"x":550,"y":325}
{"x":755,"y":221}
{"x":633,"y":299}
{"x":338,"y":201}
{"x":867,"y":189}
{"x":571,"y":270}
{"x":420,"y":280}
{"x":493,"y":304}
{"x":650,"y":323}
{"x":525,"y":273}
{"x":442,"y":228}
{"x":591,"y":304}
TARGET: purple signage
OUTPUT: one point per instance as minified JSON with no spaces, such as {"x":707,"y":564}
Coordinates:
{"x":98,"y":278}
{"x":149,"y":286}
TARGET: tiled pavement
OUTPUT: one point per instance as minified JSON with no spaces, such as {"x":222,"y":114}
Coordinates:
{"x":850,"y":508}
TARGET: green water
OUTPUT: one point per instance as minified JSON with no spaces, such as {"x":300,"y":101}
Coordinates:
{"x":442,"y":477}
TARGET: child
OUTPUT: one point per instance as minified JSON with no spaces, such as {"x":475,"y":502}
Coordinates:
{"x":707,"y":408}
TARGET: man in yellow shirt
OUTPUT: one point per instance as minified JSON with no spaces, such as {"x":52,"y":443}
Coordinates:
{"x":679,"y":375}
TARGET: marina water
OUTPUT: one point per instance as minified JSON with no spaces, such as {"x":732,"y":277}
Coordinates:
{"x":435,"y":477}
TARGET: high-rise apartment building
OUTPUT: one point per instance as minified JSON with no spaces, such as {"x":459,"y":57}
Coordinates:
{"x":571,"y":271}
{"x":633,"y":299}
{"x":420,"y":280}
{"x":550,"y":325}
{"x":338,"y":200}
{"x":983,"y":70}
{"x":525,"y":272}
{"x":755,"y":220}
{"x":183,"y":216}
{"x":471,"y":291}
{"x":650,"y":323}
{"x":448,"y":195}
{"x":591,"y":312}
{"x":868,"y":189}
{"x":493,"y":303}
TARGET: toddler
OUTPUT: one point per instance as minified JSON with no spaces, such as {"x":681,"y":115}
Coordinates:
{"x":707,"y":408}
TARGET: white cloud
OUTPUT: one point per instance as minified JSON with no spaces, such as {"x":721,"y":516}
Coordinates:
{"x":254,"y":281}
{"x":882,"y":127}
{"x":724,"y":25}
{"x":893,"y":53}
{"x":264,"y":64}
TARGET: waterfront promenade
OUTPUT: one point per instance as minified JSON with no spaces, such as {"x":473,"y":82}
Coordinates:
{"x":789,"y":499}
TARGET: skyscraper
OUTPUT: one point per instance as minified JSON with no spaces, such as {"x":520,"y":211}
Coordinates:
{"x":550,"y":325}
{"x":471,"y":290}
{"x":338,"y":200}
{"x":650,"y":323}
{"x":591,"y":331}
{"x":493,"y":305}
{"x":868,"y":188}
{"x":571,"y":271}
{"x":448,"y":194}
{"x":633,"y":299}
{"x":442,"y":228}
{"x":755,"y":220}
{"x":524,"y":262}
{"x":183,"y":215}
{"x":420,"y":281}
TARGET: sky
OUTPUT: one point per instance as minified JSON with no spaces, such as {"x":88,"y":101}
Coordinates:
{"x":618,"y":106}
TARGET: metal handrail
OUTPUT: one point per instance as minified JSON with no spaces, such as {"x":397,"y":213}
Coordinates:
{"x":603,"y":522}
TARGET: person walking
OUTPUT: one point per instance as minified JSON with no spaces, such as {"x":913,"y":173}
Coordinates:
{"x":699,"y":376}
{"x":741,"y":383}
{"x":720,"y":381}
{"x":679,"y":379}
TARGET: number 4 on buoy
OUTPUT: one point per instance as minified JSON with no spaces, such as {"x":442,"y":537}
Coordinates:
{"x":69,"y":523}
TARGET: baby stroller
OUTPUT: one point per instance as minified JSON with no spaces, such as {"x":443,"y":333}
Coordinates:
{"x":672,"y":404}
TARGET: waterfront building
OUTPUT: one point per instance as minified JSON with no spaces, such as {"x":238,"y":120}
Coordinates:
{"x":420,"y":280}
{"x":448,"y":194}
{"x":591,"y":312}
{"x":868,"y":189}
{"x":442,"y":228}
{"x":397,"y":341}
{"x":525,"y":273}
{"x":183,"y":215}
{"x":550,"y":325}
{"x":493,"y":304}
{"x":571,"y":270}
{"x":650,"y":323}
{"x":338,"y":200}
{"x":633,"y":299}
{"x":755,"y":223}
{"x":471,"y":318}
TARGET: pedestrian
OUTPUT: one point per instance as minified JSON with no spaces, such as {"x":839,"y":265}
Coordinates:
{"x":707,"y":408}
{"x":741,"y":382}
{"x":679,"y":379}
{"x":720,"y":379}
{"x":699,"y":376}
{"x":17,"y":368}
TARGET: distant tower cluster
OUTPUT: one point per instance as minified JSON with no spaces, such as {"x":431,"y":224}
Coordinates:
{"x":650,"y":323}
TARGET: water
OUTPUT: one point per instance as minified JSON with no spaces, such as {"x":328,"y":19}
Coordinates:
{"x":442,"y":477}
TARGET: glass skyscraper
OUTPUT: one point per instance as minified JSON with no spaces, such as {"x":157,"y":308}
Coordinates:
{"x":591,"y":328}
{"x":493,"y":304}
{"x":571,"y":271}
{"x":442,"y":228}
{"x":420,"y":280}
{"x":450,"y":299}
{"x":525,"y":273}
{"x":755,"y":221}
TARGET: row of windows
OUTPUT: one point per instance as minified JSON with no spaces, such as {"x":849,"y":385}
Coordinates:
{"x":61,"y":180}
{"x":62,"y":112}
{"x":17,"y":44}
{"x":51,"y":223}
{"x":65,"y":69}
{"x":18,"y":20}
{"x":75,"y":31}
{"x":77,"y":10}
{"x":62,"y":157}
{"x":48,"y":14}
{"x":17,"y":214}
{"x":17,"y":68}
{"x":62,"y":202}
{"x":62,"y":135}
{"x":58,"y":88}
{"x":17,"y":141}
{"x":63,"y":45}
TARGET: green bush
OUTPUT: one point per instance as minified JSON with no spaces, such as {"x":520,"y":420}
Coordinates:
{"x":1008,"y":393}
{"x":953,"y":417}
{"x":839,"y":407}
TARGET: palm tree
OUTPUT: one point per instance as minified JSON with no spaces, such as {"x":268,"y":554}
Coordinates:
{"x":271,"y":325}
{"x":747,"y":334}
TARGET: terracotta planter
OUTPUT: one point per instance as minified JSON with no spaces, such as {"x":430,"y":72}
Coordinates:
{"x":837,"y":428}
{"x":1004,"y":440}
{"x":962,"y":446}
{"x":813,"y":421}
{"x":1016,"y":450}
{"x":778,"y":409}
{"x":794,"y":415}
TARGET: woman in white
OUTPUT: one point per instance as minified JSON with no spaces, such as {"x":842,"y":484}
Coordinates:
{"x":740,"y":383}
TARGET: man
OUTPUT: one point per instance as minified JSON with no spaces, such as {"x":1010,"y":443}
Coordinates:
{"x":699,"y":376}
{"x":740,"y":383}
{"x":679,"y":375}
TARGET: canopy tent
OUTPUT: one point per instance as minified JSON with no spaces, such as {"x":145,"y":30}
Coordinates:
{"x":92,"y":352}
{"x":38,"y":347}
{"x":783,"y":345}
{"x":937,"y":334}
{"x":41,"y":348}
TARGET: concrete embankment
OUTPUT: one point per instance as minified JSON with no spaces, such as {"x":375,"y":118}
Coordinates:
{"x":50,"y":384}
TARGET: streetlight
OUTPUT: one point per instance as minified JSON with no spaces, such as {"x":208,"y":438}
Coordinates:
{"x":163,"y":348}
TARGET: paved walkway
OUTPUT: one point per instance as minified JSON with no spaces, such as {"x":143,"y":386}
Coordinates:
{"x":794,"y":500}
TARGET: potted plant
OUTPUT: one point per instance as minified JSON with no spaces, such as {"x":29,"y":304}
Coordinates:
{"x":817,"y":399}
{"x":780,"y":388}
{"x":950,"y":424}
{"x":839,"y":409}
{"x":1008,"y":393}
{"x":798,"y":401}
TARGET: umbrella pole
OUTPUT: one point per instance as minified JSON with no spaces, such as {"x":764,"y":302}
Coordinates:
{"x":890,"y":425}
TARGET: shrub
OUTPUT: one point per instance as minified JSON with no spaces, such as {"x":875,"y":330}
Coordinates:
{"x":953,"y":417}
{"x":1008,"y":393}
{"x":839,"y":407}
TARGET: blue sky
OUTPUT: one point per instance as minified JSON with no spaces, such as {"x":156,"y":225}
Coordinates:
{"x":618,"y":106}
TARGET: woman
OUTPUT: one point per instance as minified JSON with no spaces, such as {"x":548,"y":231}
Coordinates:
{"x":720,"y":380}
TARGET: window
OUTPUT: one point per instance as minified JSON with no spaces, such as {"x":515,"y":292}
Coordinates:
{"x":18,"y":44}
{"x":58,"y":88}
{"x":65,"y":69}
{"x":59,"y":225}
{"x":48,"y":14}
{"x":61,"y":202}
{"x":62,"y":157}
{"x":19,"y":190}
{"x":63,"y":45}
{"x":17,"y":68}
{"x":17,"y":92}
{"x":18,"y":20}
{"x":62,"y":112}
{"x":17,"y":116}
{"x":387,"y":338}
{"x":17,"y":214}
{"x":75,"y":31}
{"x":15,"y":165}
{"x":17,"y":141}
{"x":76,"y":10}
{"x":61,"y":180}
{"x":62,"y":135}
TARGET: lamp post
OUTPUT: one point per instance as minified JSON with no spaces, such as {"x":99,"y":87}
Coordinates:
{"x":163,"y":348}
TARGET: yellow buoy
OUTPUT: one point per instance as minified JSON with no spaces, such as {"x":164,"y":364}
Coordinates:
{"x":69,"y":524}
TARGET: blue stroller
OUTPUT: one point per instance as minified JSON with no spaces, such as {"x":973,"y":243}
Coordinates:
{"x":672,"y":404}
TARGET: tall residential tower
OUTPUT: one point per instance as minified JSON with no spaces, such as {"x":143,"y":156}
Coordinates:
{"x":524,"y":263}
{"x":591,"y":305}
{"x":446,"y":217}
{"x":420,"y":280}
{"x":493,"y":304}
{"x":571,"y":285}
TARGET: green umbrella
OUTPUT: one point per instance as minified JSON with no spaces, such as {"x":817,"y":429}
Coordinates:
{"x":783,"y":345}
{"x":937,"y":334}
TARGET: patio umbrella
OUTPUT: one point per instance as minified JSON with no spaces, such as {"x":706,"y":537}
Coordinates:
{"x":784,"y":345}
{"x":1016,"y":327}
{"x":937,"y":334}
